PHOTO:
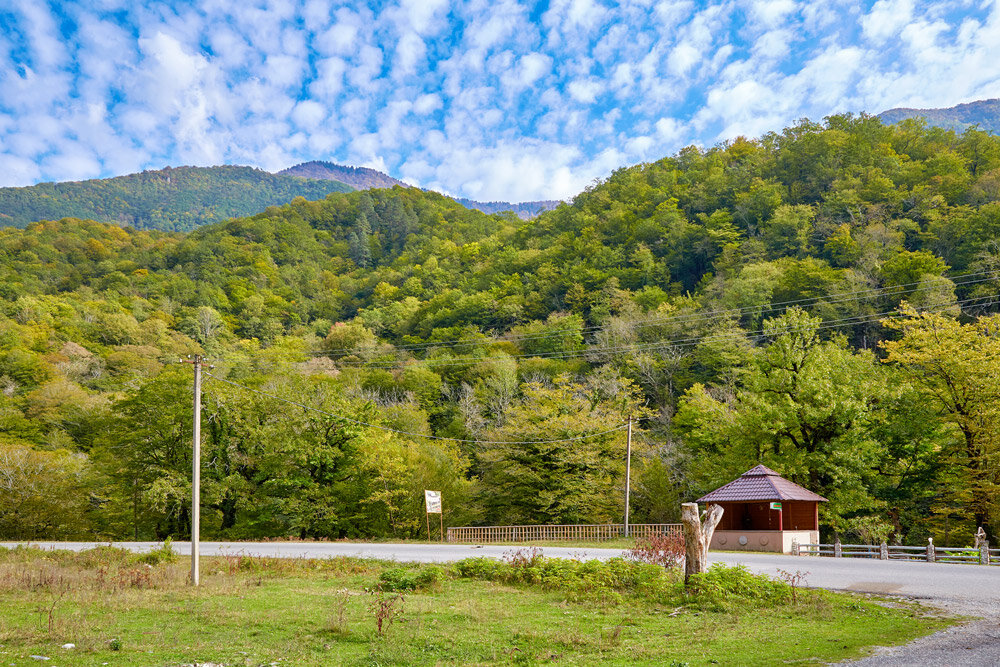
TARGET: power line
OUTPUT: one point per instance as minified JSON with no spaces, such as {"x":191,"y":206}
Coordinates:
{"x":708,"y":315}
{"x":680,"y":343}
{"x":416,"y":435}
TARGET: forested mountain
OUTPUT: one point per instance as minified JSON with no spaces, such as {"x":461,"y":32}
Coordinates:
{"x":363,"y":178}
{"x":173,"y":199}
{"x":524,"y":210}
{"x":820,"y":300}
{"x":983,"y":113}
{"x":359,"y":178}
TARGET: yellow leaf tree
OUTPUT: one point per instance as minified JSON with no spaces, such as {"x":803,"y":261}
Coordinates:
{"x":957,"y":367}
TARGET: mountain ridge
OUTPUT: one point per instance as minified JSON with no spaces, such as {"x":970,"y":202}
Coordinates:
{"x":984,"y":113}
{"x":169,"y":199}
{"x":363,"y":178}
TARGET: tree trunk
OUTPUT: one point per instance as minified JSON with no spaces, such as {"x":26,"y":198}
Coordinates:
{"x":697,"y":537}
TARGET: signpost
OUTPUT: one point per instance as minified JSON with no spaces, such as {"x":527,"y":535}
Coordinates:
{"x":781,"y":523}
{"x":432,"y":503}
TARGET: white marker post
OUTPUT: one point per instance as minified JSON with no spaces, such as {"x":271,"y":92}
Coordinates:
{"x":432,"y":503}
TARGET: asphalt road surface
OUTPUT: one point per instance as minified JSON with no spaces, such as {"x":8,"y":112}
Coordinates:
{"x":972,"y":590}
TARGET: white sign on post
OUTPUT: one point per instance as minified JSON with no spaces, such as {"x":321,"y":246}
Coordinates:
{"x":433,"y":501}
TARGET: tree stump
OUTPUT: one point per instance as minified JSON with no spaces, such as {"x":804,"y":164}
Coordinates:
{"x":697,"y":537}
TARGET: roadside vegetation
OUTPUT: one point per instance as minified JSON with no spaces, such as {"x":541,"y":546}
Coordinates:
{"x":126,"y":609}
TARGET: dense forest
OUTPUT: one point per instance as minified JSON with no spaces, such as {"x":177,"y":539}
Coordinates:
{"x":821,"y":300}
{"x":178,"y":199}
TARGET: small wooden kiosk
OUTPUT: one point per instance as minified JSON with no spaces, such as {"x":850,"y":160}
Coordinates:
{"x":764,"y":512}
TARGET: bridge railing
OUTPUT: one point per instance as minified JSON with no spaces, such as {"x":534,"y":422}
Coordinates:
{"x":558,"y":533}
{"x":930,"y":553}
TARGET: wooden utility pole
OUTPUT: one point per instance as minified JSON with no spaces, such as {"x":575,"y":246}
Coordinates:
{"x":196,"y":474}
{"x":628,"y":472}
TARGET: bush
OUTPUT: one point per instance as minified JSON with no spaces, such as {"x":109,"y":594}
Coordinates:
{"x":401,"y":579}
{"x":163,"y":554}
{"x":397,"y":579}
{"x":478,"y":568}
{"x":664,"y":550}
{"x":430,"y":577}
{"x":725,"y":588}
{"x":607,"y":581}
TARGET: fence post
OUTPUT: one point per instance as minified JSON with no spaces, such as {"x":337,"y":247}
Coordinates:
{"x":795,"y":547}
{"x":838,"y":549}
{"x":984,"y":553}
{"x":883,"y":551}
{"x":930,"y":549}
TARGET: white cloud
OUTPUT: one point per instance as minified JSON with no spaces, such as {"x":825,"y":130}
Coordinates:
{"x":532,"y":67}
{"x":585,"y":91}
{"x":422,"y":16}
{"x":427,"y":103}
{"x":887,"y":18}
{"x":481,"y":98}
{"x":20,"y":171}
{"x":772,"y":12}
{"x":410,"y":51}
{"x":308,"y":114}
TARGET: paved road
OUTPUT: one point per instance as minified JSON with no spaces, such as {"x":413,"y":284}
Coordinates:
{"x":965,"y":589}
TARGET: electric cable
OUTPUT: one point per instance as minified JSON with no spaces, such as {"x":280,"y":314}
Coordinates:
{"x":707,"y":315}
{"x":681,"y":343}
{"x":408,"y":433}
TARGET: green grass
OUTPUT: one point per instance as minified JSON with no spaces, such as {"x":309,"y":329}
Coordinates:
{"x":252,"y":611}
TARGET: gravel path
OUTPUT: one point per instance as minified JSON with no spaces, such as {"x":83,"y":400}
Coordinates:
{"x":970,"y":590}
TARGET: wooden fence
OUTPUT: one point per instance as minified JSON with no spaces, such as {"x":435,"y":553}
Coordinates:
{"x":576,"y":533}
{"x":930,"y":554}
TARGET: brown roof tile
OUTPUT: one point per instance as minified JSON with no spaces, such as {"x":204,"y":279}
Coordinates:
{"x":760,"y":483}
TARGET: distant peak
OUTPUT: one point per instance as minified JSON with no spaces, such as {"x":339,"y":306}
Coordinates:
{"x":361,"y":178}
{"x":364,"y":178}
{"x":984,"y":113}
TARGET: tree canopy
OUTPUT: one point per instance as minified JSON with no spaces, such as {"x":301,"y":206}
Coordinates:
{"x":821,"y":300}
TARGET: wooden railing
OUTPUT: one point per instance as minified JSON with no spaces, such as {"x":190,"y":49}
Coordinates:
{"x":566,"y":533}
{"x":930,"y":553}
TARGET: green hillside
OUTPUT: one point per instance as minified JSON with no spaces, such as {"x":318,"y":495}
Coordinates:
{"x":984,"y":114}
{"x":820,"y":300}
{"x":171,"y":199}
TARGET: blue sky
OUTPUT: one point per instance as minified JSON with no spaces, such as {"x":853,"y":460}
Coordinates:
{"x":493,"y":99}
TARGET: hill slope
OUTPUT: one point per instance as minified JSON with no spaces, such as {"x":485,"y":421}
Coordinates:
{"x":360,"y":178}
{"x":364,"y":178}
{"x":984,"y":113}
{"x":665,"y":288}
{"x":172,"y":199}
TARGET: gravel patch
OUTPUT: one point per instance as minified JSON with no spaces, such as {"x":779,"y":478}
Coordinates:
{"x":974,"y":643}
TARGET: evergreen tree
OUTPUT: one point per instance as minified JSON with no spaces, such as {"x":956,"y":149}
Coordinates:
{"x":361,"y":251}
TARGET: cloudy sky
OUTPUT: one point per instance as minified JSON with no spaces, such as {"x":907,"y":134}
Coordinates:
{"x":489,"y":99}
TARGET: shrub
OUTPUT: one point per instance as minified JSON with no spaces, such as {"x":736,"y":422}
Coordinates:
{"x":430,"y":577}
{"x":401,"y":579}
{"x":397,"y":579}
{"x":665,"y":550}
{"x":603,"y":580}
{"x":725,"y":588}
{"x":482,"y":568}
{"x":163,"y":554}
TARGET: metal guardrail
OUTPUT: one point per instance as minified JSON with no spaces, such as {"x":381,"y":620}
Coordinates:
{"x":562,"y":533}
{"x":931,"y":553}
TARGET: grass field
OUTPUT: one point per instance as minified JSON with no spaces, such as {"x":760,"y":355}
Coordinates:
{"x":123,"y":609}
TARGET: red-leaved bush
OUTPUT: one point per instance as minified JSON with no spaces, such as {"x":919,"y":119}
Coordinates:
{"x":658,"y":549}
